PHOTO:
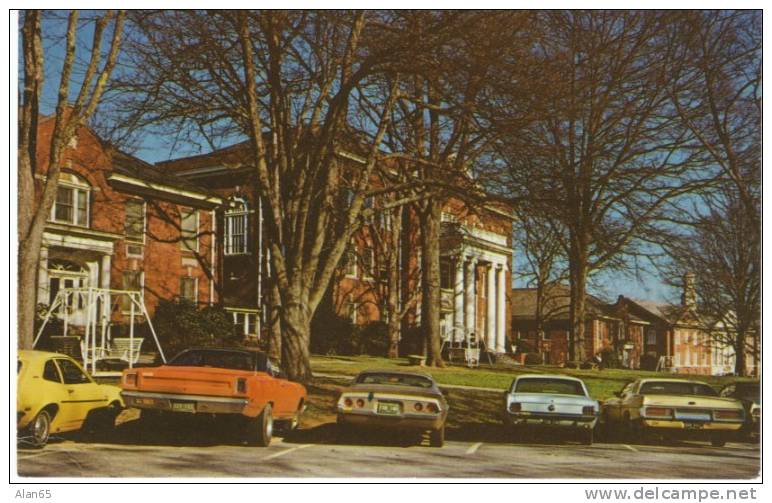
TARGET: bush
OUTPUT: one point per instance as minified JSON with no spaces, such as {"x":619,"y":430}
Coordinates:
{"x":533,"y":359}
{"x":373,"y":339}
{"x":610,"y":358}
{"x":649,"y":361}
{"x":181,"y":325}
{"x":331,"y":334}
{"x":412,"y":341}
{"x":571,"y":364}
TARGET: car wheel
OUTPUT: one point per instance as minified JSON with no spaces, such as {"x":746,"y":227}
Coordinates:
{"x":40,"y":429}
{"x":586,"y":436}
{"x":101,"y":422}
{"x":718,"y":441}
{"x":261,"y":427}
{"x":437,"y":437}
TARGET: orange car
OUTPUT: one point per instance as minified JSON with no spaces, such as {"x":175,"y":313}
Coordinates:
{"x":218,"y":381}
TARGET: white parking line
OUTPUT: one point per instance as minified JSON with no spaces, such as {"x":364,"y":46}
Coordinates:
{"x":286,"y":451}
{"x":473,"y":448}
{"x":631,"y":447}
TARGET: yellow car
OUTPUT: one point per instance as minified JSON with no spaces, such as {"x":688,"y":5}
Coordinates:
{"x":55,"y":395}
{"x":672,"y":407}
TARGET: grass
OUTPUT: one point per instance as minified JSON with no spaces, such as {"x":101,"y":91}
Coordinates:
{"x":601,"y":383}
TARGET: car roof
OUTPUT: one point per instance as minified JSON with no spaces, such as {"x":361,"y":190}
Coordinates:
{"x":666,"y":379}
{"x":34,"y":354}
{"x":397,"y":372}
{"x":548,"y":376}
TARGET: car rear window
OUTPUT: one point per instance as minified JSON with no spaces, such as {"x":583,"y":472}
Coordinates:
{"x":676,"y":388}
{"x":552,"y":386}
{"x":395,"y":379}
{"x":234,"y":360}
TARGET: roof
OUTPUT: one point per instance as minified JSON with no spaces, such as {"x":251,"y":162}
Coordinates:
{"x":523,"y":301}
{"x":549,"y":376}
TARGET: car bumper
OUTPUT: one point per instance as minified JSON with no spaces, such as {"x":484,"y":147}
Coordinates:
{"x":551,"y":420}
{"x":667,"y":425}
{"x":406,"y":421}
{"x":172,"y":402}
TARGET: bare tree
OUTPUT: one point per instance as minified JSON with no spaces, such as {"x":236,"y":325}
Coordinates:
{"x":295,"y":85}
{"x":608,"y":152}
{"x":35,"y":202}
{"x":720,"y":245}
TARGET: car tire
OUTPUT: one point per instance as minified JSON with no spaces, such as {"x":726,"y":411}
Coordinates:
{"x":39,"y":429}
{"x":101,"y":422}
{"x":640,"y":433}
{"x":718,"y":440}
{"x":586,"y":436}
{"x":261,"y":428}
{"x":437,"y":437}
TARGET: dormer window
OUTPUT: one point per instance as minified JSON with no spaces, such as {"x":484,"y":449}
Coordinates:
{"x":72,"y":201}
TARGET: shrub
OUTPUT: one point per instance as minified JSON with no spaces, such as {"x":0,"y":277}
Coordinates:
{"x":373,"y":339}
{"x":412,"y":341}
{"x":331,"y":334}
{"x":533,"y":359}
{"x":181,"y":325}
{"x":649,"y":361}
{"x":610,"y":358}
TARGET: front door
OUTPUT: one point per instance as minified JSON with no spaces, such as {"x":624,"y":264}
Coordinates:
{"x":67,"y":274}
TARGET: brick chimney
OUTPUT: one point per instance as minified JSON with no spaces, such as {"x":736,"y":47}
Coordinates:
{"x":689,"y":294}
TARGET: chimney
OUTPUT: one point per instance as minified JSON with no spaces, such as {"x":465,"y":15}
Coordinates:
{"x":689,"y":295}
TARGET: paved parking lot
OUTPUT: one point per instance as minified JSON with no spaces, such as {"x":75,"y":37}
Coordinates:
{"x":196,"y":451}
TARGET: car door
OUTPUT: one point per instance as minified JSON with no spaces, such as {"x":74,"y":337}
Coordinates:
{"x":82,"y":393}
{"x":52,"y":391}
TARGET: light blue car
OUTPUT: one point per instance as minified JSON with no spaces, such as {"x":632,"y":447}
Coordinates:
{"x":551,"y":401}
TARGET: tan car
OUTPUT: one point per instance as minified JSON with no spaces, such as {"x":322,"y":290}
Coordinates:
{"x":394,"y":399}
{"x":673,"y":407}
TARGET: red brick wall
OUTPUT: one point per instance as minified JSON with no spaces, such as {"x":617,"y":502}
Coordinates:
{"x":162,"y":262}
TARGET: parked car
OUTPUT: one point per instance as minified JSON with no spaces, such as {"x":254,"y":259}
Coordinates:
{"x":394,"y":399}
{"x":550,"y":401}
{"x":749,"y":394}
{"x":673,"y":407}
{"x":219,"y":381}
{"x":56,"y":395}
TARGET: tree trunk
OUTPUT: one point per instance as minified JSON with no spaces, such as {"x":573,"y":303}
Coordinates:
{"x":295,"y":343}
{"x":29,"y":257}
{"x":274,"y":324}
{"x":430,"y":283}
{"x":578,"y":280}
{"x":392,"y":300}
{"x":739,"y":350}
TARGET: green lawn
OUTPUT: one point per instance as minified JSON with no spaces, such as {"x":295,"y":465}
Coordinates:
{"x":601,"y":383}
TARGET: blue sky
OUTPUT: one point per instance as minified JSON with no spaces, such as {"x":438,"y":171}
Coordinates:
{"x":153,"y":148}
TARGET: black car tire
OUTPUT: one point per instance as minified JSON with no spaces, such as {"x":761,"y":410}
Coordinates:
{"x":718,"y":440}
{"x":437,"y":437}
{"x":260,"y":429}
{"x":39,"y":429}
{"x":586,"y":436}
{"x":101,"y":422}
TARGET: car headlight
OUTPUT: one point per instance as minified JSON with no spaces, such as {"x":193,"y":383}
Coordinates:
{"x":588,"y":410}
{"x":515,"y":407}
{"x":130,"y":379}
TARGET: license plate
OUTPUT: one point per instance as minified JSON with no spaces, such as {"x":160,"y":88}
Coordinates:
{"x":686,"y":416}
{"x":693,"y":426}
{"x":183,"y":407}
{"x":389,"y":409}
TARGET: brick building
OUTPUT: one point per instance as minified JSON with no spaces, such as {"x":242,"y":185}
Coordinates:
{"x":119,"y":223}
{"x":475,"y":257}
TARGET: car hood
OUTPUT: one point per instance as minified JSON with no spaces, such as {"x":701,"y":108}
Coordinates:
{"x":394,"y":390}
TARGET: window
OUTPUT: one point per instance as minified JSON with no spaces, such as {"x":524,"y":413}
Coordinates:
{"x":134,"y":226}
{"x":51,"y":373}
{"x":188,"y":286}
{"x":651,"y":338}
{"x":72,"y":373}
{"x":236,"y":227}
{"x":350,"y":262}
{"x":189,"y":230}
{"x":132,"y":280}
{"x":72,"y":201}
{"x":447,"y":275}
{"x":352,"y":308}
{"x":368,"y":261}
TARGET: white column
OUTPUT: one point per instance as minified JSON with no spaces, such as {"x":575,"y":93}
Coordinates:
{"x":43,"y":286}
{"x":458,"y":300}
{"x":490,"y":304}
{"x":469,"y":300}
{"x":501,"y":310}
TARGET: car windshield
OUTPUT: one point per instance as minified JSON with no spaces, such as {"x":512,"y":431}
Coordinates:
{"x":551,"y":386}
{"x":395,"y":379}
{"x":749,"y":391}
{"x":676,"y":388}
{"x":235,"y":360}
